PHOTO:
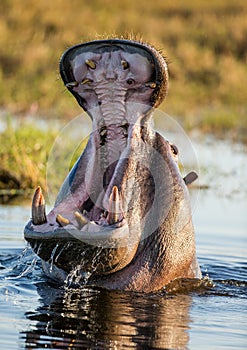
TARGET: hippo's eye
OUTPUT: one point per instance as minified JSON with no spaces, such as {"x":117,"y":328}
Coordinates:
{"x":174,"y":149}
{"x":130,"y":81}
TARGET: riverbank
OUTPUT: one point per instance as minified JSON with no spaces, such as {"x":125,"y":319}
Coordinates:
{"x":24,"y":152}
{"x":29,"y":147}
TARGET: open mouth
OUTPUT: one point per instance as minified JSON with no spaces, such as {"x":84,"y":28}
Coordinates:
{"x":96,"y":222}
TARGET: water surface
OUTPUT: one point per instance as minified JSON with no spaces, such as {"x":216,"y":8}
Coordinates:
{"x":37,"y":314}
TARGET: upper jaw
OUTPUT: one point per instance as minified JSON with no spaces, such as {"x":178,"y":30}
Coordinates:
{"x":75,"y":75}
{"x":114,"y":81}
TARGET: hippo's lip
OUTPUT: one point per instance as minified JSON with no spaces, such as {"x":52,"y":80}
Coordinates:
{"x":92,"y":234}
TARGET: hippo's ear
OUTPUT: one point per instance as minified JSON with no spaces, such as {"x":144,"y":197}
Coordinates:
{"x":70,"y":69}
{"x":191,"y":177}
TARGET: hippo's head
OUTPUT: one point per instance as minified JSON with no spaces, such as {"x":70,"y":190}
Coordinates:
{"x":122,"y":217}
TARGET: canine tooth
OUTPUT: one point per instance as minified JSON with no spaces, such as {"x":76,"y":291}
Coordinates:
{"x":72,"y":84}
{"x":90,"y":64}
{"x":61,"y":220}
{"x":81,"y":220}
{"x":151,"y":85}
{"x":38,"y":208}
{"x":124,"y":64}
{"x":85,"y":81}
{"x":115,"y":212}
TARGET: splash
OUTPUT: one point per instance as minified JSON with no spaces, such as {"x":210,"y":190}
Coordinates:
{"x":76,"y":278}
{"x":24,"y":266}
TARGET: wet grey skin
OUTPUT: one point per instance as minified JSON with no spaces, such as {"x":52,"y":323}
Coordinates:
{"x":122,"y":218}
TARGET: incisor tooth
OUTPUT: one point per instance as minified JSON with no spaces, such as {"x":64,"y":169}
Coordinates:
{"x":72,"y":84}
{"x":115,"y":212}
{"x":90,"y":64}
{"x":61,"y":220}
{"x":81,"y":220}
{"x":85,"y":81}
{"x":124,"y":64}
{"x":38,"y":208}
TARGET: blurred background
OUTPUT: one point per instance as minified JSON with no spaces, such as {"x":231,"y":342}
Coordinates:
{"x":205,"y":43}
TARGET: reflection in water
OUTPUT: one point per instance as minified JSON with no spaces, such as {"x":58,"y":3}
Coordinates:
{"x":94,"y":318}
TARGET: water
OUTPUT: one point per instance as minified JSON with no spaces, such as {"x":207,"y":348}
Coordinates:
{"x":36,"y":314}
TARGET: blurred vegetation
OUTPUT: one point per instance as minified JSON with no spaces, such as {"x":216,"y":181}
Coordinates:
{"x":205,"y":42}
{"x":25,"y":152}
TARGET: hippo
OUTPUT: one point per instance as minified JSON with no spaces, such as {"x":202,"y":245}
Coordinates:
{"x":122,"y":218}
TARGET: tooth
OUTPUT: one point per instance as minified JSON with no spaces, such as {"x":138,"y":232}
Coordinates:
{"x":151,"y":85}
{"x":81,"y":220}
{"x":103,"y":132}
{"x":85,"y":81}
{"x":90,"y":64}
{"x":124,"y":64}
{"x":115,"y":212}
{"x":61,"y":220}
{"x":38,"y":208}
{"x":72,"y":84}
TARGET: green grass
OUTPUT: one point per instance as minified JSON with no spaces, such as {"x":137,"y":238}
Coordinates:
{"x":205,"y":41}
{"x":26,"y":153}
